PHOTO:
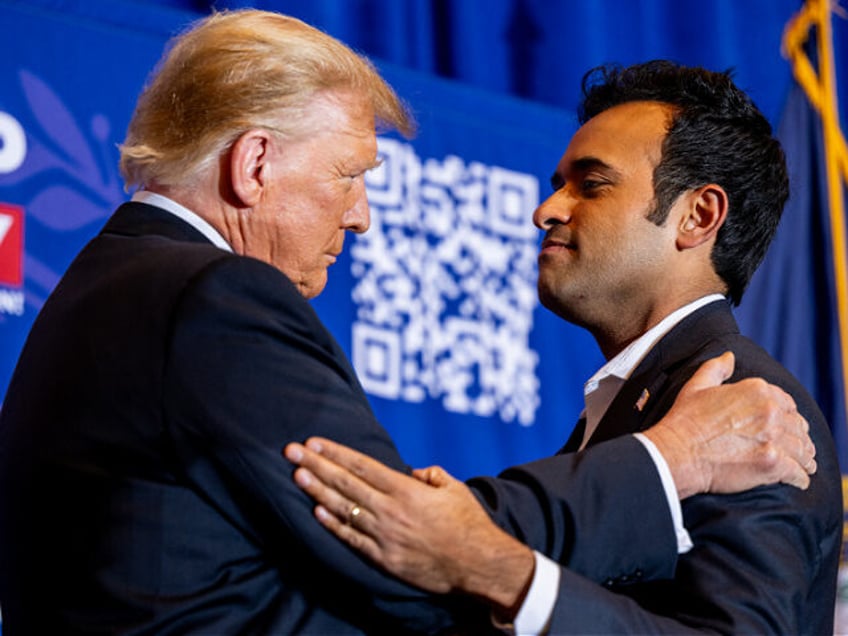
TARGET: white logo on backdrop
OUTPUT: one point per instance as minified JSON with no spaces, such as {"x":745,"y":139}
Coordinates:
{"x":12,"y":143}
{"x":446,"y":285}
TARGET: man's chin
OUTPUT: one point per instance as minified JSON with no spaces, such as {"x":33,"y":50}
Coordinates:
{"x":558,"y":303}
{"x":312,"y":288}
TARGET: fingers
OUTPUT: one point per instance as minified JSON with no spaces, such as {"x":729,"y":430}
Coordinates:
{"x":774,"y":403}
{"x":798,"y":449}
{"x":712,"y":372}
{"x":351,"y":533}
{"x":339,"y":504}
{"x":367,"y":469}
{"x":341,"y":498}
{"x":782,"y":468}
{"x":328,"y":483}
{"x":807,"y":454}
{"x":786,"y":435}
{"x":434,"y":476}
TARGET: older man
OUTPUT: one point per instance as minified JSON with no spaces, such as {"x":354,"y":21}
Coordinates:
{"x":141,"y":484}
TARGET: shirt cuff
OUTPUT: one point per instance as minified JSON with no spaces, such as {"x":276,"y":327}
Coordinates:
{"x":684,"y":541}
{"x":534,"y":616}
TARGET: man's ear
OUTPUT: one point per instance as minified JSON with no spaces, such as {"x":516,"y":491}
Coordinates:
{"x":249,"y":165}
{"x":705,"y":213}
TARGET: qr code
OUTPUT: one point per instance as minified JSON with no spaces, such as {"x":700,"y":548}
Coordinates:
{"x":446,"y":285}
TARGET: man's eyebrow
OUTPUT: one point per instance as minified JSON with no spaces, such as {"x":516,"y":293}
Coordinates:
{"x":557,"y":181}
{"x":582,"y":165}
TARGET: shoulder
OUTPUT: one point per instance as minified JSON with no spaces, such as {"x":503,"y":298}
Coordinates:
{"x":752,"y":361}
{"x":238,"y":284}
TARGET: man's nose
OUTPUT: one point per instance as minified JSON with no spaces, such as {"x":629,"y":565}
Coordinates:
{"x":555,"y":210}
{"x":358,"y":217}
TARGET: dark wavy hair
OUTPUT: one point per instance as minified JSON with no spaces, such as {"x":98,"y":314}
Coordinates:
{"x":717,"y":135}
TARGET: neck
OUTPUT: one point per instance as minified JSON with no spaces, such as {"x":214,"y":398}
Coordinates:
{"x":215,"y":211}
{"x":612,"y":342}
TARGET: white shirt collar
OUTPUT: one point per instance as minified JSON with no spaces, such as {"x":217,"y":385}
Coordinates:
{"x":625,"y":362}
{"x":600,"y":390}
{"x":169,"y":205}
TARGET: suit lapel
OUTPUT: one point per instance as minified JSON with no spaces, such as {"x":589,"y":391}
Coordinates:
{"x":575,"y":439}
{"x":629,"y":410}
{"x":634,"y":408}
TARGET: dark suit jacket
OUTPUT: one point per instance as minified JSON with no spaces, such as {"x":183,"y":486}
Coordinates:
{"x":764,"y":561}
{"x":142,"y":488}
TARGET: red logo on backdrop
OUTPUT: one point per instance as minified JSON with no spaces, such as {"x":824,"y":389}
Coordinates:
{"x":11,"y":245}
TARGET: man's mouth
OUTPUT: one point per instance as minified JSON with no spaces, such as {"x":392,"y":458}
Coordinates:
{"x":553,"y":245}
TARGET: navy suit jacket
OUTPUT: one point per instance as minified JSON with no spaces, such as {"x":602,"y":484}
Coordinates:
{"x":142,"y":488}
{"x":764,"y":561}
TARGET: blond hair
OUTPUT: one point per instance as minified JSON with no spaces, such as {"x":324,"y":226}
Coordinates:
{"x":234,"y":71}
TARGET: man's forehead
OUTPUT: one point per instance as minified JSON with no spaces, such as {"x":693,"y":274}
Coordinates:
{"x":623,"y":133}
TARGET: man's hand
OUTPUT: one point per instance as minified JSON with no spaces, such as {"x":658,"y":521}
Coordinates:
{"x":428,"y":530}
{"x":732,"y":437}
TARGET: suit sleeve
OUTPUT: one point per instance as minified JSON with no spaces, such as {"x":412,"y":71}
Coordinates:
{"x":764,"y":561}
{"x":574,"y":507}
{"x":752,"y":571}
{"x":251,"y":369}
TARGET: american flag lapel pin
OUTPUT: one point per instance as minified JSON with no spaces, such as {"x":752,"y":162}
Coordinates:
{"x":643,"y":399}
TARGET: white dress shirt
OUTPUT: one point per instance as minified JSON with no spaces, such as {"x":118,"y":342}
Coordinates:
{"x":169,"y":205}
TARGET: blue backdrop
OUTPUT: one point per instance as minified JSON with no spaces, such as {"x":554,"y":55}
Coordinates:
{"x":436,"y":304}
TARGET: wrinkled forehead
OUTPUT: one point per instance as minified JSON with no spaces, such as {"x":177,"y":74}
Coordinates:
{"x":340,"y":129}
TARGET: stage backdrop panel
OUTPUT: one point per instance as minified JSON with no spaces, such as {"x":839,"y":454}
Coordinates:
{"x":436,"y":304}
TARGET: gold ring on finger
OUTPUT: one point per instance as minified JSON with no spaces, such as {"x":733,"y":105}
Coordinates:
{"x":355,"y":511}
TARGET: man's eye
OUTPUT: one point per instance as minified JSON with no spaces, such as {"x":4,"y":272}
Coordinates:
{"x":588,"y":185}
